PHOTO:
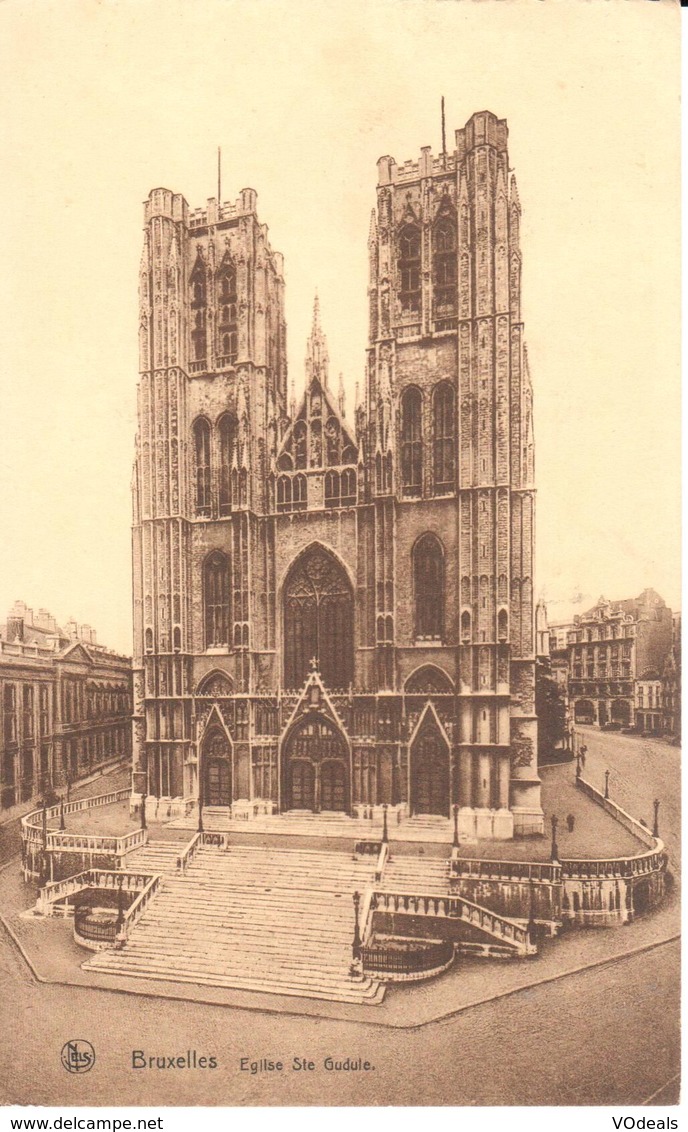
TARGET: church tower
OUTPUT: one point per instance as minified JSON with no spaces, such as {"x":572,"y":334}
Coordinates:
{"x":450,"y":439}
{"x":212,"y":390}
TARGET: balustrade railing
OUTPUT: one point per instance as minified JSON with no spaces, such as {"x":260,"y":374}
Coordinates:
{"x":538,"y":871}
{"x":65,"y":841}
{"x":106,"y":879}
{"x":139,"y":905}
{"x":454,"y":907}
{"x":189,"y":852}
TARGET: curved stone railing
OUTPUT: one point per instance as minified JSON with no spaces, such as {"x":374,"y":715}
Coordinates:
{"x":611,"y":868}
{"x":542,"y":872}
{"x":35,"y":840}
{"x":502,"y":928}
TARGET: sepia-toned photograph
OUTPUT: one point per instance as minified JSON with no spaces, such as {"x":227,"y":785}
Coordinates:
{"x":340,"y":578}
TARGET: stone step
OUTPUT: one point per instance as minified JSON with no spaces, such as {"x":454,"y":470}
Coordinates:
{"x":370,"y":996}
{"x":254,"y":918}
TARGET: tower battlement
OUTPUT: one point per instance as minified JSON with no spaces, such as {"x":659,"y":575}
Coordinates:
{"x":483,"y":128}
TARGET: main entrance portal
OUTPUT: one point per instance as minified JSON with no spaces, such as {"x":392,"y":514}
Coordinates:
{"x":315,"y":759}
{"x":430,"y":774}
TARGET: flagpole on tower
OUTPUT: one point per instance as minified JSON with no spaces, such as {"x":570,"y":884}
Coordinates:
{"x":219,"y":176}
{"x":444,"y":136}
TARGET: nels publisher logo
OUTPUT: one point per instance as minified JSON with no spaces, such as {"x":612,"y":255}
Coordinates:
{"x":78,"y":1056}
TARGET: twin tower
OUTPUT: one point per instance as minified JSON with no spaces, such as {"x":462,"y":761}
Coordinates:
{"x":332,"y":614}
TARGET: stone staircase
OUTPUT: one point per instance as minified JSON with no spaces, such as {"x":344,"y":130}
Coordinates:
{"x":262,"y":919}
{"x":416,"y":874}
{"x":158,"y":857}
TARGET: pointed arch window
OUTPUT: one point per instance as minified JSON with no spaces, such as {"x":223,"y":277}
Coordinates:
{"x":216,"y":600}
{"x":428,"y":588}
{"x":284,"y":493}
{"x":227,"y":314}
{"x":444,"y":438}
{"x":332,"y":489}
{"x":444,"y":264}
{"x":299,"y":496}
{"x":318,"y":621}
{"x":411,"y":442}
{"x":201,"y":435}
{"x":300,"y":439}
{"x":409,"y":269}
{"x":198,"y":305}
{"x":227,"y":440}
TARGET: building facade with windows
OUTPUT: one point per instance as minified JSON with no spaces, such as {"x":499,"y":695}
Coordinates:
{"x":335,"y":615}
{"x":65,"y":705}
{"x":616,"y":654}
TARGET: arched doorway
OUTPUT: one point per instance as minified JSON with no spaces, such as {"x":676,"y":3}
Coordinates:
{"x":318,"y":620}
{"x":584,"y":711}
{"x":430,"y":773}
{"x":315,"y":760}
{"x":216,"y":762}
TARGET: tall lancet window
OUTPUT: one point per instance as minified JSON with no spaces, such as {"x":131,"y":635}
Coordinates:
{"x":216,"y":600}
{"x":227,"y":440}
{"x":428,"y":588}
{"x":443,"y":438}
{"x":201,"y":436}
{"x":227,"y":339}
{"x":444,"y":265}
{"x":199,"y":301}
{"x":409,"y":269}
{"x":412,"y":442}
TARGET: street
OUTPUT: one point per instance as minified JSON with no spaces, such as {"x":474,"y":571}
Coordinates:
{"x":641,"y":770}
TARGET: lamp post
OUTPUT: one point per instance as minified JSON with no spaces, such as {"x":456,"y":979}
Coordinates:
{"x":143,"y":811}
{"x":531,"y":912}
{"x":200,"y":804}
{"x":62,"y":816}
{"x":655,"y":826}
{"x":356,"y":946}
{"x":120,"y":906}
{"x":606,"y":783}
{"x":385,"y":835}
{"x":555,"y":847}
{"x":455,"y":842}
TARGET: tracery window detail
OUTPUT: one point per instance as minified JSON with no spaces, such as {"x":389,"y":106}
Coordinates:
{"x":428,"y":588}
{"x":409,"y":269}
{"x":318,"y":621}
{"x":411,"y":442}
{"x":201,"y":435}
{"x":216,"y":591}
{"x":444,"y":438}
{"x":444,"y":264}
{"x":227,"y":440}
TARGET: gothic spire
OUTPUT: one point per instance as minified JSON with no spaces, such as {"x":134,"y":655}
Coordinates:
{"x":317,"y":360}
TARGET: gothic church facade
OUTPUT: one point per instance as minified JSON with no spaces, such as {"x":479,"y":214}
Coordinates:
{"x":334,"y":615}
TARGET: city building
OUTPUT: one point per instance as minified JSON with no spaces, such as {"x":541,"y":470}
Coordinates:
{"x":616,"y":655}
{"x":65,"y":705}
{"x":671,"y":682}
{"x":334,"y":615}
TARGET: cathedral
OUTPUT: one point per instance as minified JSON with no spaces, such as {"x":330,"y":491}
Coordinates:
{"x":335,"y":614}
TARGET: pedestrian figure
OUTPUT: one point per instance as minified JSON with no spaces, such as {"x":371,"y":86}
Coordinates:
{"x":570,"y":821}
{"x":582,"y":753}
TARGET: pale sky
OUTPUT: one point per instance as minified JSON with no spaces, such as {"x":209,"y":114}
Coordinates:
{"x":102,"y":101}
